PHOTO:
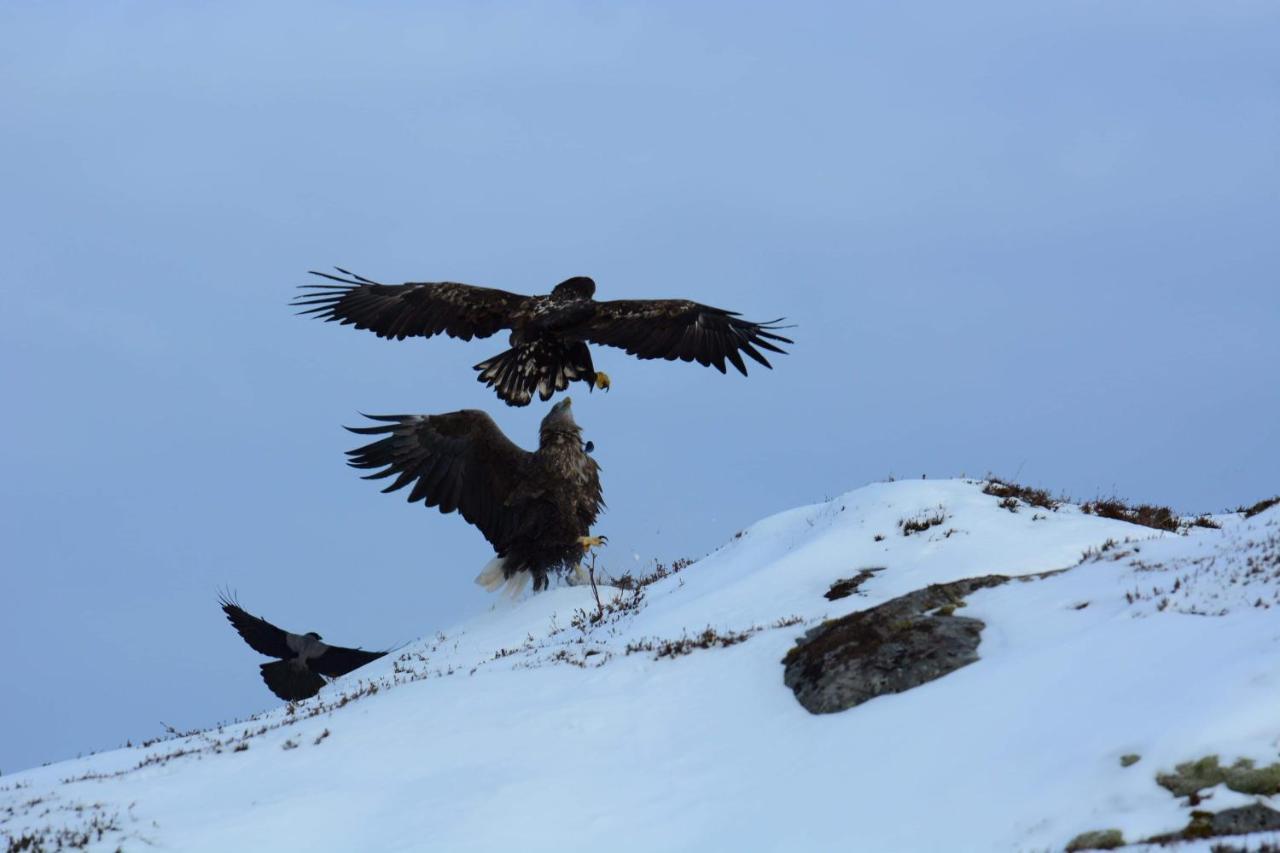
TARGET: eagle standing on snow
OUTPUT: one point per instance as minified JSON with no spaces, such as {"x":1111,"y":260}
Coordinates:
{"x":536,"y":509}
{"x":549,"y":334}
{"x":304,"y":659}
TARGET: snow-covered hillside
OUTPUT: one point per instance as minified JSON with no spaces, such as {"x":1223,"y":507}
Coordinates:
{"x":534,"y":727}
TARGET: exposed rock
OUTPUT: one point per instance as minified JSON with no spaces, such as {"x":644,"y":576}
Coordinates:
{"x":886,"y":649}
{"x":1238,"y":821}
{"x":1191,"y":777}
{"x":1099,"y":839}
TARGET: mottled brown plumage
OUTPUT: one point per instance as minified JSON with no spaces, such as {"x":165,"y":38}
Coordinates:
{"x":535,"y":509}
{"x":549,"y":334}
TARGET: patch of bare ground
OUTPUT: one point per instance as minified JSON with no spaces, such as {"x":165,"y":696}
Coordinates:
{"x":1012,"y":495}
{"x":1260,"y":506}
{"x":1147,"y":515}
{"x":922,"y":521}
{"x":846,"y":587}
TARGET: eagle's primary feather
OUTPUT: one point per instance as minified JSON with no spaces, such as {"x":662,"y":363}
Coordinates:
{"x":549,"y":333}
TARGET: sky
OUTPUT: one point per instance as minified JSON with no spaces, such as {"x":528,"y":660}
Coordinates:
{"x":1030,"y":239}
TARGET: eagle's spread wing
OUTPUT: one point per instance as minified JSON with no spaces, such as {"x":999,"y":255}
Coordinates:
{"x":410,"y":310}
{"x":678,"y":328}
{"x":339,"y":661}
{"x":261,"y":635}
{"x":458,"y":461}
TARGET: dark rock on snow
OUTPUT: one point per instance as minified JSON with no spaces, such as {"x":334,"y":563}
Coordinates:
{"x":846,"y":587}
{"x":893,"y":647}
{"x":1245,"y":819}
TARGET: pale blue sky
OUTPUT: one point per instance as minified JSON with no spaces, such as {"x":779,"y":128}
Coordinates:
{"x":1033,"y":238}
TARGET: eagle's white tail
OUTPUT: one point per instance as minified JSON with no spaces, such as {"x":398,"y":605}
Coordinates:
{"x":493,"y":576}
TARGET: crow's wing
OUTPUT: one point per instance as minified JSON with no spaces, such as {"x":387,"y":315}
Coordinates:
{"x":291,"y":683}
{"x":410,"y":310}
{"x":680,"y":329}
{"x":339,"y":661}
{"x":457,"y":461}
{"x":261,"y":635}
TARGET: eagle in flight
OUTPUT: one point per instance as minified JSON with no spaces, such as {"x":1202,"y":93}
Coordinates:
{"x":304,"y":659}
{"x":535,"y":509}
{"x":549,"y":334}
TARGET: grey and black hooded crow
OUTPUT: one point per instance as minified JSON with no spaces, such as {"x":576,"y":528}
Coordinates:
{"x":304,"y":659}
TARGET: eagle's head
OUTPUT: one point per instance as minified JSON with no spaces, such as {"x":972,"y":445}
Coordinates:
{"x":578,"y":287}
{"x":560,"y":419}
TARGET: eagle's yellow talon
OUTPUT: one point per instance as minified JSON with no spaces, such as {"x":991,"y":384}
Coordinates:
{"x":602,"y":380}
{"x":589,"y":542}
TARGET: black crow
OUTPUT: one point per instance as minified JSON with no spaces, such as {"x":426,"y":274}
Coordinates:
{"x":304,"y":659}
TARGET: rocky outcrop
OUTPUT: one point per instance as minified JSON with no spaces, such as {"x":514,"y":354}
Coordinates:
{"x":1243,"y":820}
{"x":891,"y":648}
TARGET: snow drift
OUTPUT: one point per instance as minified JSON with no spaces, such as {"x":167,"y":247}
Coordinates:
{"x":664,"y":723}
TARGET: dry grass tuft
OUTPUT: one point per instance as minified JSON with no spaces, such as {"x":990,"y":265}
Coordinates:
{"x":709,"y":638}
{"x":1260,"y":506}
{"x":922,"y":522}
{"x":1012,"y":493}
{"x":1148,"y":515}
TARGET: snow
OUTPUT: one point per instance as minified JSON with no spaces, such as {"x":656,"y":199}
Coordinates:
{"x":520,"y":730}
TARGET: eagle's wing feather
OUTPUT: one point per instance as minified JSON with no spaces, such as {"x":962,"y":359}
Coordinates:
{"x":410,"y":310}
{"x":261,"y":635}
{"x":457,"y":461}
{"x":338,"y":660}
{"x":681,"y":329}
